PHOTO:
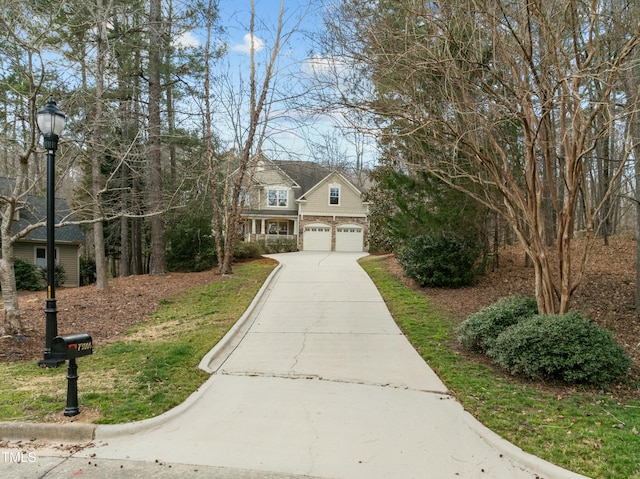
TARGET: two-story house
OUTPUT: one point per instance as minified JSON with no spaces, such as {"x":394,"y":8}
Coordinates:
{"x":319,"y":209}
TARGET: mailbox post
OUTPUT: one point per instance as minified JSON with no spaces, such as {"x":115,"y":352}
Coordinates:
{"x":71,"y":347}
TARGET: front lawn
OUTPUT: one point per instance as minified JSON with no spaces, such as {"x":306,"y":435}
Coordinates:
{"x":590,"y":433}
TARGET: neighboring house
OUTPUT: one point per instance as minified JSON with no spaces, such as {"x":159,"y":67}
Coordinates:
{"x":33,"y":247}
{"x":305,"y":202}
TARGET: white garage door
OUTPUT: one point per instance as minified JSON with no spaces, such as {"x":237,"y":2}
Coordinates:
{"x":349,"y":238}
{"x":316,"y":238}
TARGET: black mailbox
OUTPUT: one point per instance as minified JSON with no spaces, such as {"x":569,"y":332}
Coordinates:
{"x":71,"y":346}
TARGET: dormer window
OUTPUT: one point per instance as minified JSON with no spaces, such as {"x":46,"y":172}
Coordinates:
{"x":334,"y":195}
{"x":278,"y":198}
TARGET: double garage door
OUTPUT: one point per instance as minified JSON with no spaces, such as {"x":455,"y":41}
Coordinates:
{"x":317,"y":237}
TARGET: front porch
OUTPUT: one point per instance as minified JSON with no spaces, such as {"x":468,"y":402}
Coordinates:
{"x":270,"y":230}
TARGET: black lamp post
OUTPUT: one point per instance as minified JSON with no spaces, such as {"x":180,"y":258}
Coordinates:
{"x":51,"y":122}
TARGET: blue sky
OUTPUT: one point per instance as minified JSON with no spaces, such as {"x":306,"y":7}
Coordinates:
{"x":290,"y":132}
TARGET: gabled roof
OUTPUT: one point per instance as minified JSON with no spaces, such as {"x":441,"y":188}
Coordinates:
{"x":325,"y":179}
{"x":304,"y":173}
{"x":35,"y":211}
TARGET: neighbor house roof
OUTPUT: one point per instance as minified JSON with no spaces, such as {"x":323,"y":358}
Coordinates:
{"x":35,"y":211}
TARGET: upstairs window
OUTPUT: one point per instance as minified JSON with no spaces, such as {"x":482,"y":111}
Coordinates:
{"x":278,"y":198}
{"x":334,"y":195}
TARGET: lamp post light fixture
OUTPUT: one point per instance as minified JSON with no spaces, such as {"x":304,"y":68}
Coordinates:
{"x":51,"y":122}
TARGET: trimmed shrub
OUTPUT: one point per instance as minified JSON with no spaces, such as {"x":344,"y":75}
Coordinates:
{"x":27,"y":276}
{"x":567,"y":347}
{"x":244,"y":250}
{"x":59,"y":275}
{"x":439,"y":261}
{"x":480,"y":330}
{"x":278,"y":246}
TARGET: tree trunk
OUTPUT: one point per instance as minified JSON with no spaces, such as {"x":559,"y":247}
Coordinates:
{"x":157,"y":265}
{"x":12,"y":322}
{"x":252,"y":142}
{"x":213,"y":163}
{"x":137,"y":267}
{"x":635,"y":125}
{"x":545,"y":295}
{"x":96,"y":155}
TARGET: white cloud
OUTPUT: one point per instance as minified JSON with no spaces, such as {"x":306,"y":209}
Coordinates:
{"x":186,"y":40}
{"x":245,"y":47}
{"x":320,"y":66}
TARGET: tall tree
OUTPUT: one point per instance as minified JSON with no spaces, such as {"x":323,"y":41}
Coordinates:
{"x":22,"y":77}
{"x":157,"y":264}
{"x":232,"y":173}
{"x":101,"y":20}
{"x":503,"y":92}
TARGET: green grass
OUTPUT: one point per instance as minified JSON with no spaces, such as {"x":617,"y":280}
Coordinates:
{"x":152,"y":369}
{"x":589,"y":433}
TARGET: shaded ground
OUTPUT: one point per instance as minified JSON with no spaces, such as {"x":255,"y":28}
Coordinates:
{"x":606,"y":295}
{"x":103,"y":314}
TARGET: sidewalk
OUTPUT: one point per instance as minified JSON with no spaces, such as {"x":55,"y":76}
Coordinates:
{"x":317,"y":381}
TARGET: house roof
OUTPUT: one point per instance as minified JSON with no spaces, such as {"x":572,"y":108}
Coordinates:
{"x":326,"y":178}
{"x":35,"y":211}
{"x":306,"y":174}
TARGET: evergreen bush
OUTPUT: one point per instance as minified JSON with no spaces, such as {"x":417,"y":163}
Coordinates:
{"x":441,"y":261}
{"x":190,"y":243}
{"x":568,"y":347}
{"x":244,"y":250}
{"x":27,"y":277}
{"x":59,"y":275}
{"x":480,"y":330}
{"x":87,"y":270}
{"x":278,"y":246}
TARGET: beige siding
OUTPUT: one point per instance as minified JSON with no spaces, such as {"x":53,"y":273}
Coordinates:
{"x":70,"y":260}
{"x":24,"y":251}
{"x":67,"y":256}
{"x":270,"y":178}
{"x":318,"y":200}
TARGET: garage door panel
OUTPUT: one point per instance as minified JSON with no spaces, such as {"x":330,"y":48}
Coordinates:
{"x":349,"y":238}
{"x":317,"y":238}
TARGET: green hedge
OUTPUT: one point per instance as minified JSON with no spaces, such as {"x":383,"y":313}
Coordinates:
{"x":441,"y":261}
{"x":480,"y":330}
{"x":568,"y":347}
{"x":27,"y":276}
{"x":244,"y":250}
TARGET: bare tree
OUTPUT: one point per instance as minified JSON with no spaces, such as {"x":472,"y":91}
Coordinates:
{"x":231,"y":173}
{"x":500,"y":94}
{"x":21,"y":82}
{"x":100,"y":15}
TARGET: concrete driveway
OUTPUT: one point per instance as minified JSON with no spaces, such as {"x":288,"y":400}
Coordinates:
{"x":315,"y":381}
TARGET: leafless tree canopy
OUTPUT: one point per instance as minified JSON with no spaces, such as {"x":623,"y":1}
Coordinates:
{"x":528,"y":100}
